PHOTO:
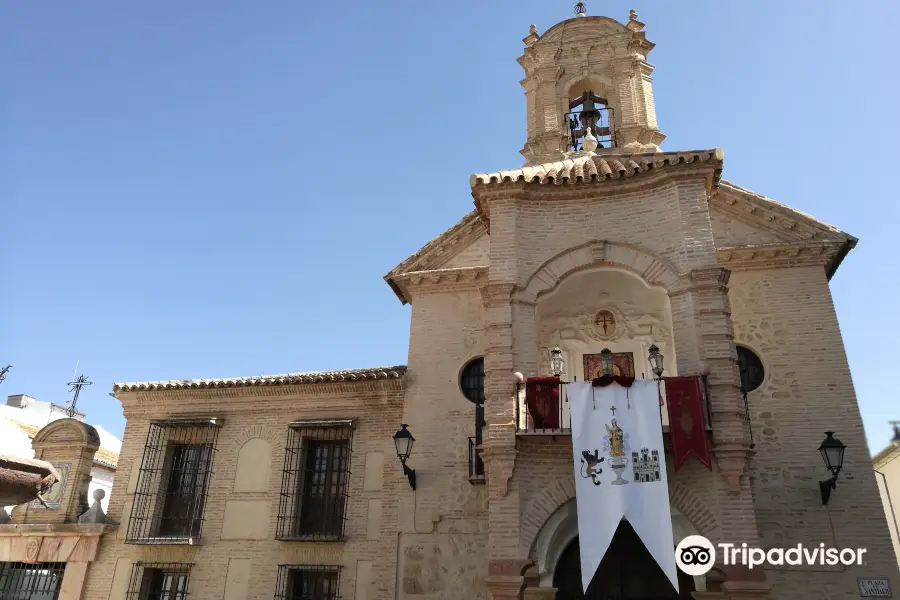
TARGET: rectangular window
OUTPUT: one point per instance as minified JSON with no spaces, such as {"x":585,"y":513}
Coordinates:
{"x":315,"y":480}
{"x":25,"y":581}
{"x":173,"y":480}
{"x":307,"y":582}
{"x":159,"y":581}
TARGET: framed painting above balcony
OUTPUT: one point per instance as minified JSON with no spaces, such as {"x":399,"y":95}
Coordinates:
{"x":623,"y":365}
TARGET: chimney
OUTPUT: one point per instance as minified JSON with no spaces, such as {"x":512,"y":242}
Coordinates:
{"x":19,"y":400}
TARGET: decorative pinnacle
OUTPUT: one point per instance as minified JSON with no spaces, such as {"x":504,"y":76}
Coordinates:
{"x":532,"y":30}
{"x":580,"y":9}
{"x":632,"y":15}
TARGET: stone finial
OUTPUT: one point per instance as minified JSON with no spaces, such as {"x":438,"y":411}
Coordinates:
{"x":95,"y":513}
{"x":589,"y":143}
{"x":632,"y":15}
{"x":532,"y":30}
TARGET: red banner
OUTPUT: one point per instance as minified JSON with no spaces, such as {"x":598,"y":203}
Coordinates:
{"x":542,"y":400}
{"x":687,"y":427}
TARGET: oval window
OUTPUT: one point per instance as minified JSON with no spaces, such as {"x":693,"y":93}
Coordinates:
{"x":471,"y":381}
{"x":752,"y":371}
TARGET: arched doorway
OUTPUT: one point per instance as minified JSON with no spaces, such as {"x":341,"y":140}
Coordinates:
{"x":627,"y":572}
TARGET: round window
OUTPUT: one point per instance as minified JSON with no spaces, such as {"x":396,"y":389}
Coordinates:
{"x":752,"y":371}
{"x":471,"y":381}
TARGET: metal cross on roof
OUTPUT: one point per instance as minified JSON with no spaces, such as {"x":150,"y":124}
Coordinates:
{"x":4,"y":371}
{"x":75,"y":386}
{"x":580,"y":8}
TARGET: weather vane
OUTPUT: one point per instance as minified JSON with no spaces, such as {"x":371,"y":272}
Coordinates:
{"x":75,"y":386}
{"x":580,"y":8}
{"x":4,"y":371}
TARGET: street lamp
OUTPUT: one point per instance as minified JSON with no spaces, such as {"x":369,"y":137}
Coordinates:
{"x":657,"y":364}
{"x":832,"y":451}
{"x":403,"y":441}
{"x":556,"y":362}
{"x":606,"y":361}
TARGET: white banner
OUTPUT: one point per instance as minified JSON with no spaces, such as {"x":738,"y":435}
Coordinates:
{"x":620,"y":471}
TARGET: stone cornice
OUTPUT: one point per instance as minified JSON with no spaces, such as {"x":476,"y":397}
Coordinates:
{"x":770,"y":256}
{"x":439,"y":281}
{"x":593,"y":177}
{"x":438,"y":251}
{"x":362,"y":394}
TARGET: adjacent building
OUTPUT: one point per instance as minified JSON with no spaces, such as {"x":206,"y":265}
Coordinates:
{"x":887,"y":473}
{"x":441,"y":479}
{"x":23,"y":416}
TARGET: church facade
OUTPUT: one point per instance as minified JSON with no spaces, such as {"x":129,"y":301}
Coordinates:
{"x":291,"y":486}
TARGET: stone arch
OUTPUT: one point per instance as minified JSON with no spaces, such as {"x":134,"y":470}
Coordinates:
{"x":651,"y":269}
{"x":550,"y":499}
{"x":67,"y":431}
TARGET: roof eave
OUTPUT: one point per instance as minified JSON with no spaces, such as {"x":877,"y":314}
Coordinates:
{"x":835,"y":262}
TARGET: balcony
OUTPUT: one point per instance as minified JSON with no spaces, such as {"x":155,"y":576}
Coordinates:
{"x":551,"y":416}
{"x":476,"y":464}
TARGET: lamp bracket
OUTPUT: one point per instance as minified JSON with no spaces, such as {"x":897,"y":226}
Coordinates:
{"x":825,"y":487}
{"x":410,"y":475}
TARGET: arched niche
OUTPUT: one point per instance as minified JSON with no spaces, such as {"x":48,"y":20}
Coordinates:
{"x":254,"y":466}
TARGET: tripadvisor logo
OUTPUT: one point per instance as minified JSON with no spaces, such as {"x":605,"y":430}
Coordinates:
{"x":696,"y":555}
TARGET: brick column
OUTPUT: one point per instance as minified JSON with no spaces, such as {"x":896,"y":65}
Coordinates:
{"x":704,"y":341}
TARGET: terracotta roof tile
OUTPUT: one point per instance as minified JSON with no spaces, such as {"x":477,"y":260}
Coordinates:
{"x":348,"y":375}
{"x":600,"y":167}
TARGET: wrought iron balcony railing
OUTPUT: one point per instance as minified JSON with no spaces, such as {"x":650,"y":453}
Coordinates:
{"x":476,"y":465}
{"x":549,"y":414}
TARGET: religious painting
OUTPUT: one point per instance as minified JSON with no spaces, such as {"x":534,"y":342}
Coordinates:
{"x":54,"y":495}
{"x":623,"y":365}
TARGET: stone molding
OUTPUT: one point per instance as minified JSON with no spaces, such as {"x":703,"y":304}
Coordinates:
{"x":771,"y":256}
{"x":33,"y":543}
{"x":557,"y":493}
{"x":650,"y":268}
{"x":333,"y":391}
{"x":438,"y":281}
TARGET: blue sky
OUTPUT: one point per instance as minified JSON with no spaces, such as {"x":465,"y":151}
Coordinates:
{"x":215,"y":189}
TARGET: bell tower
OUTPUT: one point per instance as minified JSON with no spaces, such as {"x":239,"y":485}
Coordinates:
{"x":588,"y":73}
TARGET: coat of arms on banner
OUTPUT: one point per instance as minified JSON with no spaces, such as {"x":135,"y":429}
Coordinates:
{"x":623,"y":365}
{"x":591,"y":465}
{"x":645,"y":465}
{"x":616,"y":444}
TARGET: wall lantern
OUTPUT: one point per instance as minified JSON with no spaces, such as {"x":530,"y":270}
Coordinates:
{"x":656,"y":359}
{"x":403,"y":441}
{"x":556,"y":362}
{"x":832,"y":451}
{"x":606,"y":361}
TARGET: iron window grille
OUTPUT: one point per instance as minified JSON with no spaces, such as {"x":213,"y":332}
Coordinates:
{"x":308,"y":582}
{"x":159,"y":581}
{"x":315,"y":481}
{"x":471,"y":381}
{"x":175,"y":471}
{"x":24,"y":581}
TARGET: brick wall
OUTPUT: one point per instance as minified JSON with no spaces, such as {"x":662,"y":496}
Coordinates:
{"x":787,"y":317}
{"x":264,"y":413}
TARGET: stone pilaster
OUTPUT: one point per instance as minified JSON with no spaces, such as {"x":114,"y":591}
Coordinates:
{"x":500,"y":436}
{"x":704,"y":341}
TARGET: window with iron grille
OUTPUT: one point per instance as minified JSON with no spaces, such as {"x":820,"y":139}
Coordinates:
{"x":173,"y":479}
{"x":314,"y":482}
{"x":159,"y":581}
{"x":308,"y":582}
{"x":471,"y":381}
{"x":752,"y":371}
{"x":37,"y":581}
